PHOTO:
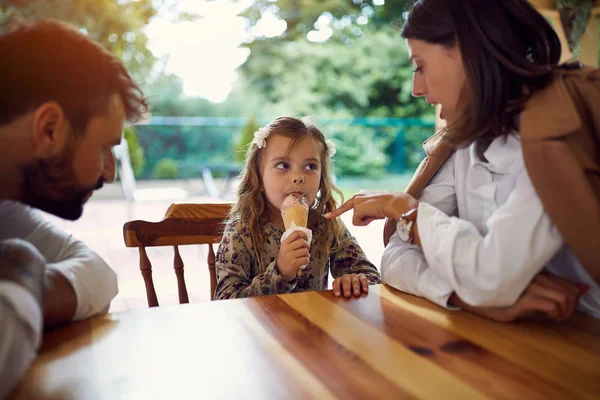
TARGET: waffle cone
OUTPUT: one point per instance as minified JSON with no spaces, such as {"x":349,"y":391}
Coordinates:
{"x":296,"y":214}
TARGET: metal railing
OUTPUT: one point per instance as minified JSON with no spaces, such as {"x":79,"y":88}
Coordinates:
{"x":211,"y":140}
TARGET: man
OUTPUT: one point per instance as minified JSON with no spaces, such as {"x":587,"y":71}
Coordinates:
{"x":63,"y":106}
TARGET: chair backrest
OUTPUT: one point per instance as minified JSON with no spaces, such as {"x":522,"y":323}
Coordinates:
{"x":183,"y":224}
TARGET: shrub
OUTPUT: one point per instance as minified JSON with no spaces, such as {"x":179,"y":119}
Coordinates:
{"x":359,"y":152}
{"x":166,"y":168}
{"x":245,"y":137}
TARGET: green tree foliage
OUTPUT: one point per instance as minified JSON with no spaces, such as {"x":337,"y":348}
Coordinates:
{"x":575,"y":17}
{"x":301,"y":15}
{"x":166,"y":168}
{"x":359,"y":152}
{"x":361,"y":70}
{"x":117,"y":25}
{"x":245,"y":137}
{"x":166,"y":97}
{"x":369,"y":77}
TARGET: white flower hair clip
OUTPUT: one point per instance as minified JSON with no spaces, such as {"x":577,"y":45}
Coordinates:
{"x":331,"y":150}
{"x":260,"y":137}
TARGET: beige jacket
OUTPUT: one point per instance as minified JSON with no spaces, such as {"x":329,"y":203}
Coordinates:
{"x":560,"y":138}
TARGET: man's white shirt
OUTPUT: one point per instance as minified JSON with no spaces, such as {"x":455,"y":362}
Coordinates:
{"x":21,"y":319}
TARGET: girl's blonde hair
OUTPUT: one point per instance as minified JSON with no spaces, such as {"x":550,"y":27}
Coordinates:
{"x":250,"y":210}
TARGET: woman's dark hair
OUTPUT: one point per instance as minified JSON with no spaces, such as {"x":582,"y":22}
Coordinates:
{"x":48,"y":60}
{"x":508,"y":48}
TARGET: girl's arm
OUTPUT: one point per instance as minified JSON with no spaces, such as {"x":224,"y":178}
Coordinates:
{"x":234,"y":264}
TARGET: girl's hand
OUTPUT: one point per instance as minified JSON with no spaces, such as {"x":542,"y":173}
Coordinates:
{"x":350,"y":284}
{"x":369,"y":206}
{"x":293,"y":254}
{"x":547,"y":296}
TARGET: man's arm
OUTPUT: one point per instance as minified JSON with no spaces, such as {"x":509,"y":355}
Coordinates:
{"x":61,"y":302}
{"x":18,"y":344}
{"x":21,"y":294}
{"x":79,"y":283}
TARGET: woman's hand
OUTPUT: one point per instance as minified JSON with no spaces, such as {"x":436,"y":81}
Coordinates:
{"x":547,"y":296}
{"x":293,"y":254}
{"x":350,"y":284}
{"x":369,"y":206}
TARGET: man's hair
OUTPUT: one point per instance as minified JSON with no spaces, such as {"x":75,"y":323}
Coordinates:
{"x":49,"y":60}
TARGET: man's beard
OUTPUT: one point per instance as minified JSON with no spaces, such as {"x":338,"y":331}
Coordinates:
{"x":50,"y":185}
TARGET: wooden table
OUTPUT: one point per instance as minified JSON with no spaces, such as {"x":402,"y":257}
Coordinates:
{"x":386,"y":345}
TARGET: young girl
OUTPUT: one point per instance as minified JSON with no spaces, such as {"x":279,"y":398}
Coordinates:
{"x":287,"y":157}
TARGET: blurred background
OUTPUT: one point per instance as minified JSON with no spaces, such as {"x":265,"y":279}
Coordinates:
{"x":215,"y":71}
{"x":219,"y":69}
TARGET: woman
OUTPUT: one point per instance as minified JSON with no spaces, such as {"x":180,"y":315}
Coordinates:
{"x":488,"y":233}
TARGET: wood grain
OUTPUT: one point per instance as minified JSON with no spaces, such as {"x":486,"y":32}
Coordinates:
{"x":391,"y":359}
{"x":312,"y":345}
{"x":491,"y":374}
{"x":344,"y":374}
{"x":541,"y":351}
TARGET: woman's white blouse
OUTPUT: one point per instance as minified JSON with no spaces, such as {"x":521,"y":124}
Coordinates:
{"x":484,"y":234}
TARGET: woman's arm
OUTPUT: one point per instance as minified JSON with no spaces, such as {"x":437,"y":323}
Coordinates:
{"x":491,"y":268}
{"x":547,"y":297}
{"x":403,"y":264}
{"x":404,"y":267}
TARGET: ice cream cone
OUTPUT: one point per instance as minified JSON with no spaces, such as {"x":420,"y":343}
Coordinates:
{"x":294,"y":210}
{"x":296,"y":214}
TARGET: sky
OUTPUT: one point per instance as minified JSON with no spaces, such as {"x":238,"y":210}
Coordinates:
{"x":206,"y":52}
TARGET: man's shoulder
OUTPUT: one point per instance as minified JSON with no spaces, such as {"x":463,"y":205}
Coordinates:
{"x":16,"y":217}
{"x":9,"y":206}
{"x":18,"y":220}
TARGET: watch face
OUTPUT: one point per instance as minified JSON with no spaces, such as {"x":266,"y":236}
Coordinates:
{"x":403,"y":230}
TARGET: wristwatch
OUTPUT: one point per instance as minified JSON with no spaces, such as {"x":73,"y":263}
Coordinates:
{"x":406,"y":225}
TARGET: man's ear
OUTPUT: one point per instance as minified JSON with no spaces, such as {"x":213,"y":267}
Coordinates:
{"x":50,"y":130}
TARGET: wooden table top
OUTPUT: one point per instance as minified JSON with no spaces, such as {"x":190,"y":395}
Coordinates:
{"x":312,"y":345}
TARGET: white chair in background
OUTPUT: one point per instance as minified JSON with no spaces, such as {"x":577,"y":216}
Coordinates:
{"x":128,"y":185}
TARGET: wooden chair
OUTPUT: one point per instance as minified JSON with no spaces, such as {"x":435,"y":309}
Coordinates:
{"x":183,"y":224}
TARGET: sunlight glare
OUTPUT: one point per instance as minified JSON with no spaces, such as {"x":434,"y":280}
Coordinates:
{"x":204,"y":53}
